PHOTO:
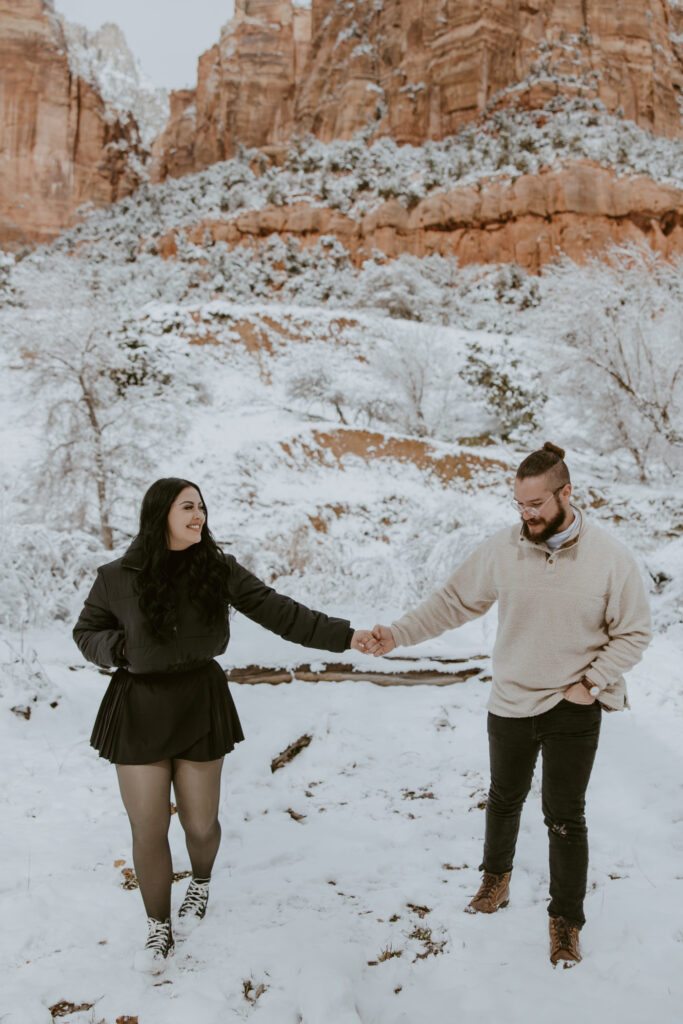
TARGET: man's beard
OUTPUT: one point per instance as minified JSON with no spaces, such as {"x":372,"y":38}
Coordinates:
{"x":552,"y":526}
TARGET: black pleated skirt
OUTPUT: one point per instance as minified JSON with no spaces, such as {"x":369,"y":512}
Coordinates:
{"x":154,"y":717}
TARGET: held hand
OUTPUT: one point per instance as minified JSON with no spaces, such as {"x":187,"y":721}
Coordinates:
{"x":363,"y":641}
{"x":578,"y":694}
{"x":384,"y":640}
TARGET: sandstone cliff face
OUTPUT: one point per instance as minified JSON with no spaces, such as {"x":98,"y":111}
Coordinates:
{"x":104,"y":59}
{"x":59,"y":146}
{"x":410,"y":69}
{"x":421,"y":69}
{"x":245,"y":89}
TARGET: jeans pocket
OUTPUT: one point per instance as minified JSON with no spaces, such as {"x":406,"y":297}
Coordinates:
{"x":574,"y":706}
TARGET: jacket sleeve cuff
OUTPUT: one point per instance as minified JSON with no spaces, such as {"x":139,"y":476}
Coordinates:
{"x":118,"y":656}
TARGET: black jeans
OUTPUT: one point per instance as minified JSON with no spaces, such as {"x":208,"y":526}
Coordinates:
{"x":567,"y":735}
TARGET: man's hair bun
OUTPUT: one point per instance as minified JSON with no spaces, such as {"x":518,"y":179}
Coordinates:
{"x":548,"y":447}
{"x":548,"y":459}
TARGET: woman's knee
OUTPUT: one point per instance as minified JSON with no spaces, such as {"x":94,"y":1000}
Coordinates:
{"x":201,"y":830}
{"x":149,"y":833}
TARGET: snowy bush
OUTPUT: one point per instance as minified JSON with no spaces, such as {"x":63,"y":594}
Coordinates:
{"x":23,"y":680}
{"x":622,"y":320}
{"x":511,"y":391}
{"x":6,"y":291}
{"x":47,"y":574}
{"x":418,"y":375}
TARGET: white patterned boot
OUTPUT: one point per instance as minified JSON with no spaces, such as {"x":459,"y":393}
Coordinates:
{"x":193,"y":907}
{"x":159,"y":946}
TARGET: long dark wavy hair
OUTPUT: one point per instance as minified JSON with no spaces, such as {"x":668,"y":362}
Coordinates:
{"x":203,"y":564}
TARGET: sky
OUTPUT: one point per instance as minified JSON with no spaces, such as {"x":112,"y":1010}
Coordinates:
{"x":167,"y":36}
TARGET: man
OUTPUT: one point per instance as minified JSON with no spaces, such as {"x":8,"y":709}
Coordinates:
{"x":573,"y":617}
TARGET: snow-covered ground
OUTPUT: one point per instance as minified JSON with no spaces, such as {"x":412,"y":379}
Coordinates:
{"x":382,"y":863}
{"x":349,"y":455}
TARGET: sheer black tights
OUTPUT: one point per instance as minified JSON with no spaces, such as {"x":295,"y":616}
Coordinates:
{"x":146,"y":794}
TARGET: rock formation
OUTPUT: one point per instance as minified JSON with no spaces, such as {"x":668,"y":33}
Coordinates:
{"x":577,"y":210}
{"x":104,"y":59}
{"x":421,"y":69}
{"x":60,"y":146}
{"x":410,"y":69}
{"x":245,"y":91}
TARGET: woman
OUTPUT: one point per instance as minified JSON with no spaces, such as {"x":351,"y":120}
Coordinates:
{"x":160,"y":615}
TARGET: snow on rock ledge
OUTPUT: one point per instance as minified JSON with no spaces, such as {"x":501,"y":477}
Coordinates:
{"x":104,"y":59}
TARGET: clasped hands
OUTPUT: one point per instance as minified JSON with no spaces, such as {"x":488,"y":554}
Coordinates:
{"x":377,"y":641}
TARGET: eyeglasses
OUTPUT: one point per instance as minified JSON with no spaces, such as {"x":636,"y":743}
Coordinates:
{"x":533,"y":509}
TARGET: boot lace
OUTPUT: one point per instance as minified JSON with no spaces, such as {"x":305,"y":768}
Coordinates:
{"x":159,"y":939}
{"x":562,"y":934}
{"x":196,"y":899}
{"x":490,"y":883}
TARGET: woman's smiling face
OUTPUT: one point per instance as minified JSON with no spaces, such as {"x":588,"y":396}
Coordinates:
{"x":186,"y":520}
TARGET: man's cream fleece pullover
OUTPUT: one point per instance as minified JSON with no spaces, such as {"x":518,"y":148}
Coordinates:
{"x":561,"y":614}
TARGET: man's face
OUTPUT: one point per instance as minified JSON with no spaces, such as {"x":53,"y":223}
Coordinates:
{"x":545,"y":509}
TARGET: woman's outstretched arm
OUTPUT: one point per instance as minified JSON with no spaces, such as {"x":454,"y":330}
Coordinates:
{"x":288,"y":618}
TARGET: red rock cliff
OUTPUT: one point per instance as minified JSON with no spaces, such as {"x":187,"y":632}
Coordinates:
{"x":59,"y":146}
{"x":246,"y":88}
{"x":421,"y":69}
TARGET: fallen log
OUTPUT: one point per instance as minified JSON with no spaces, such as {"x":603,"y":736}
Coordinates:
{"x":336,"y":673}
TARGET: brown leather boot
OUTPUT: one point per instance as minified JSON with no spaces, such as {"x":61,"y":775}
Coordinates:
{"x":494,"y":892}
{"x":564,"y":941}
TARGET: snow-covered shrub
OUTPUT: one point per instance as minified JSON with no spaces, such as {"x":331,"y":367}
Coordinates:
{"x":315,"y":388}
{"x":6,"y":265}
{"x":400,"y":288}
{"x":23,"y":680}
{"x":508,"y":388}
{"x":665,"y":567}
{"x":418,"y":377}
{"x":46,"y":573}
{"x":622,"y":322}
{"x":396,"y":375}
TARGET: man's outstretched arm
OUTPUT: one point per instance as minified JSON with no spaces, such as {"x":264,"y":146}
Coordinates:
{"x":466,"y":595}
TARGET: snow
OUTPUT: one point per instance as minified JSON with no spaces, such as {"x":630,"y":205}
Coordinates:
{"x":315,"y":403}
{"x":389,"y":787}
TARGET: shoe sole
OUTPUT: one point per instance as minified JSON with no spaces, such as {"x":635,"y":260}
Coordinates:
{"x":469,"y":909}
